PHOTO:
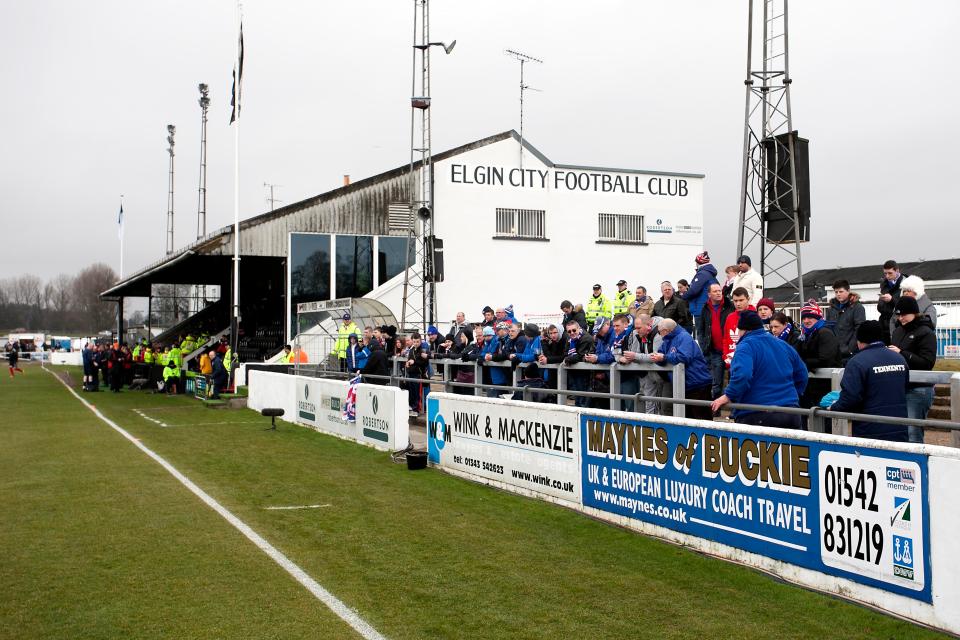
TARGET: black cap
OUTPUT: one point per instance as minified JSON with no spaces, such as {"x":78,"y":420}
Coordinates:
{"x":744,"y":258}
{"x":621,"y":282}
{"x":531,"y":330}
{"x":487,"y":309}
{"x":596,"y":286}
{"x":906,"y":304}
{"x":869,"y":332}
{"x":749,"y":320}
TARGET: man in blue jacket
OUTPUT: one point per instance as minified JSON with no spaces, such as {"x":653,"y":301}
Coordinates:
{"x":491,"y":347}
{"x":696,"y":293}
{"x":875,"y":382}
{"x":765,"y":371}
{"x":679,"y":346}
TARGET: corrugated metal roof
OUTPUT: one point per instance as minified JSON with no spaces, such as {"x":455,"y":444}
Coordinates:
{"x":359,"y":208}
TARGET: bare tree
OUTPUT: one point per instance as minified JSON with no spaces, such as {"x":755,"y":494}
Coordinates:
{"x":59,"y":293}
{"x":26,"y":290}
{"x":96,"y":315}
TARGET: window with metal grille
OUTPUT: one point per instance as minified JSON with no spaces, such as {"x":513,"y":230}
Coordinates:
{"x":521,"y":223}
{"x":622,"y":227}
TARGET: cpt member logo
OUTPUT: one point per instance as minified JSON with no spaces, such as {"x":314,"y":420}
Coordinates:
{"x":900,"y":478}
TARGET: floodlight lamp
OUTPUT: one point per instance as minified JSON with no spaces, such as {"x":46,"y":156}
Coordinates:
{"x":202,"y":87}
{"x":170,"y":140}
{"x":171,"y":129}
{"x":446,"y":47}
{"x":424,"y":213}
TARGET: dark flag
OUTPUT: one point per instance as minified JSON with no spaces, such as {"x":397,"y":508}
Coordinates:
{"x":237,"y":80}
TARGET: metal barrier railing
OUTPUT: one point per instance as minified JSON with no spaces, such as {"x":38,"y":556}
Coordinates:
{"x":816,"y":416}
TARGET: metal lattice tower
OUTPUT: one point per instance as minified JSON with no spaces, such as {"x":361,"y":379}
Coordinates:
{"x":171,"y":131}
{"x":419,"y":285}
{"x":523,"y":59}
{"x":769,"y":185}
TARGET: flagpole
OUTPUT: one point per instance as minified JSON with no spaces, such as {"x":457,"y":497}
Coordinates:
{"x":122,"y":233}
{"x":235,"y":320}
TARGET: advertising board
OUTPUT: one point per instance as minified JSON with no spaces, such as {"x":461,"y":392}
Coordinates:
{"x":320,"y":405}
{"x":513,"y":443}
{"x":382,"y":418}
{"x":856,"y":513}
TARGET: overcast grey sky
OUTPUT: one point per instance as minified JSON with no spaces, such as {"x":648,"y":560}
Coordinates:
{"x":90,"y":87}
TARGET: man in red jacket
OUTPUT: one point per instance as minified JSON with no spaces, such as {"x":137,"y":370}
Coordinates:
{"x":741,"y":302}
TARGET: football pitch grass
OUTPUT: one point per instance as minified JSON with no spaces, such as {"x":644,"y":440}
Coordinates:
{"x":97,"y":540}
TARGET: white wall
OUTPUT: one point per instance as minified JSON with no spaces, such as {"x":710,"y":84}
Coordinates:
{"x":268,"y":389}
{"x":536,"y":276}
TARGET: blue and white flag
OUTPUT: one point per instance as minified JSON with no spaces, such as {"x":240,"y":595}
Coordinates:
{"x":350,"y":406}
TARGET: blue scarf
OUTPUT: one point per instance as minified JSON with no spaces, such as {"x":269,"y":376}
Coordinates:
{"x":785,"y":334}
{"x":806,"y":333}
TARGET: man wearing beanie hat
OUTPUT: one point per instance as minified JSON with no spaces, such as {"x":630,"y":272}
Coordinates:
{"x":749,"y":279}
{"x":764,"y":371}
{"x":765,"y":309}
{"x":696,"y":293}
{"x":874,"y":381}
{"x":818,"y":348}
{"x":488,"y":317}
{"x":916,"y":341}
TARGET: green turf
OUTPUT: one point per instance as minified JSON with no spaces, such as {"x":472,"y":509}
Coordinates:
{"x":98,"y":541}
{"x":419,"y":555}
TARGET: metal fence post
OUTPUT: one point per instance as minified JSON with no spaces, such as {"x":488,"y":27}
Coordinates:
{"x":615,"y":403}
{"x":955,"y":406}
{"x":679,"y":390}
{"x":844,"y":427}
{"x":562,"y":384}
{"x":477,"y":377}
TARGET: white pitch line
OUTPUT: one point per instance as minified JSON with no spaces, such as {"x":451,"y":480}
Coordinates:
{"x":751,"y":534}
{"x":336,"y":605}
{"x":299,"y":506}
{"x":146,"y":417}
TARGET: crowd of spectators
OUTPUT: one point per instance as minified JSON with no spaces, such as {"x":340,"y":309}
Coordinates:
{"x":733,"y":341}
{"x":158,"y":367}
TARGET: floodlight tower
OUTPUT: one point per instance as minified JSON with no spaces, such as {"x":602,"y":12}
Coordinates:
{"x":774,"y":191}
{"x":419,"y":282}
{"x":202,"y":196}
{"x":171,"y":131}
{"x":523,"y":58}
